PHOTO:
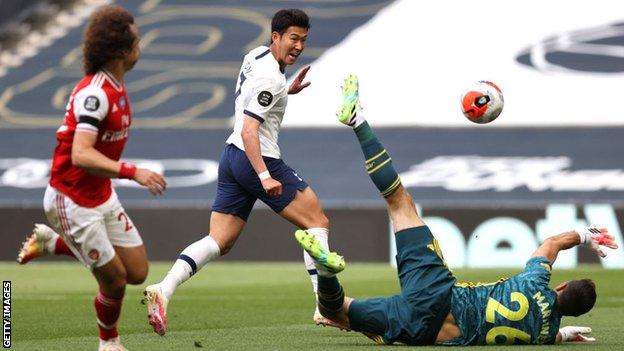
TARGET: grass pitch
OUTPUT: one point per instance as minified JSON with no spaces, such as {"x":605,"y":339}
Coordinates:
{"x":242,"y":306}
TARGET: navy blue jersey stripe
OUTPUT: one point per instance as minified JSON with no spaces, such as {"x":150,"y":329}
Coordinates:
{"x":240,"y":86}
{"x":253,"y":115}
{"x":263,"y":54}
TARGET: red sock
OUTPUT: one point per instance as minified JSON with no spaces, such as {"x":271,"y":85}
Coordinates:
{"x":107,"y":310}
{"x":61,"y":248}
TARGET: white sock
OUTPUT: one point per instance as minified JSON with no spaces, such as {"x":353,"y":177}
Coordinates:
{"x":192,"y":259}
{"x":321,"y":234}
{"x":48,"y":235}
{"x":311,"y":267}
{"x":359,"y":117}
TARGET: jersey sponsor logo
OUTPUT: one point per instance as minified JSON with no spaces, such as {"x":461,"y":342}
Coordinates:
{"x":506,"y":174}
{"x":91,"y":103}
{"x":112,"y":135}
{"x":122,"y":102}
{"x":265,"y":98}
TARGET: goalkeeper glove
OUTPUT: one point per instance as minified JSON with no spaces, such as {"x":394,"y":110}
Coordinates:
{"x":575,"y":334}
{"x":595,"y":238}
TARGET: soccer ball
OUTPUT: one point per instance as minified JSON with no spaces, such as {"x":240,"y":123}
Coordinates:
{"x":482,"y":102}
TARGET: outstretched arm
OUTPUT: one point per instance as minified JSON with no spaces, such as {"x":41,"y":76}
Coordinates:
{"x":590,"y":236}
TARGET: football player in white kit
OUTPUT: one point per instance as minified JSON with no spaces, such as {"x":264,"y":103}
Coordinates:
{"x":251,"y":167}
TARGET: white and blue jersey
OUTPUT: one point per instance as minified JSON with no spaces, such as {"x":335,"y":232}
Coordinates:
{"x":261,"y":93}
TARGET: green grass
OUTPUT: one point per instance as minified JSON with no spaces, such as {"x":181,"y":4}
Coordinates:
{"x":242,"y":306}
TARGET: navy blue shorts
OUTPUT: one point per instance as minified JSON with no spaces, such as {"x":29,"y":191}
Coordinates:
{"x":416,"y":315}
{"x":238,"y":185}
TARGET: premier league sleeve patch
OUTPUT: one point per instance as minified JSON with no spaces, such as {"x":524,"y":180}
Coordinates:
{"x":265,"y":98}
{"x":92,"y":103}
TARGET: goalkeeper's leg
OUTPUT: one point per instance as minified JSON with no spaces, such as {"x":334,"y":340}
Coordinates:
{"x":377,"y":160}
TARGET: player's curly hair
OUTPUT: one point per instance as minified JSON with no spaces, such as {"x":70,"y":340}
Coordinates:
{"x":107,"y":37}
{"x":285,"y":18}
{"x":578,"y":298}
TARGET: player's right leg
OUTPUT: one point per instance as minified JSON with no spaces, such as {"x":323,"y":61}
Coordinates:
{"x":377,"y":160}
{"x":224,"y":231}
{"x":230,"y":211}
{"x":111,"y":278}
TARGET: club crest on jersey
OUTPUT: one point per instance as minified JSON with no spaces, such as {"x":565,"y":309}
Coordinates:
{"x":91,"y":103}
{"x":122,"y":103}
{"x":265,"y":98}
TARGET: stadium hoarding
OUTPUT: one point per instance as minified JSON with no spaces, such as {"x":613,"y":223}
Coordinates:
{"x":492,"y":237}
{"x":464,"y":167}
{"x":469,"y":237}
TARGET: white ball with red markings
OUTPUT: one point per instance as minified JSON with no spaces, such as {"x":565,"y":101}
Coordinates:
{"x":483,"y":102}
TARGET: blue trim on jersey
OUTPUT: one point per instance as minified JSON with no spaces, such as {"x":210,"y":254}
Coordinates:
{"x":263,"y":54}
{"x":253,"y":115}
{"x":242,"y":80}
{"x":190,"y":262}
{"x":312,"y":271}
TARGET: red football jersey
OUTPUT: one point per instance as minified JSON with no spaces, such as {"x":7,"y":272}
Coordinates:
{"x":98,"y":104}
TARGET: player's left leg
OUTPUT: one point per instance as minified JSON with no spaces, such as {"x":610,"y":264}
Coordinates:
{"x":330,"y":295}
{"x":135,"y":262}
{"x":126,"y":240}
{"x":305,"y":212}
{"x":41,"y":242}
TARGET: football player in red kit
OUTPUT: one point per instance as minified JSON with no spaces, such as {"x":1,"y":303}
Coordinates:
{"x":80,"y":203}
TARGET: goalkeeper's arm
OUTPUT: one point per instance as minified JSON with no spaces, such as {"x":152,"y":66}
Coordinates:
{"x":590,"y":236}
{"x":573,"y":334}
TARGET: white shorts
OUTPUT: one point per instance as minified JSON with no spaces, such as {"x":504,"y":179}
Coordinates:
{"x":92,"y":232}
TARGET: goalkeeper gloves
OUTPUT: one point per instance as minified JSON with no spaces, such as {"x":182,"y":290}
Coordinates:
{"x":595,"y":238}
{"x":575,"y":334}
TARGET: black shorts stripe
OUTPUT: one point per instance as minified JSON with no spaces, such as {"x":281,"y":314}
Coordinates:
{"x":89,"y":120}
{"x":253,"y":115}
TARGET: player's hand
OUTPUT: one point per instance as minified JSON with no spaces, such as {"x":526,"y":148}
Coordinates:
{"x":298,"y":84}
{"x":272,"y":187}
{"x":573,"y":334}
{"x":595,"y":238}
{"x":153,"y":181}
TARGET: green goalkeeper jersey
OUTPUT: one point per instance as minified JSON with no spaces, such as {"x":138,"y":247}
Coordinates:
{"x":519,"y":310}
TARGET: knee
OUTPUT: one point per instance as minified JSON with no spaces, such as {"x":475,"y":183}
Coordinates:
{"x":115,"y":285}
{"x":318,"y":221}
{"x":225,"y":247}
{"x":138,"y":275}
{"x":323,"y":221}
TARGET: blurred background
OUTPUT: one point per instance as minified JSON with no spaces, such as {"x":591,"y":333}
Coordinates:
{"x":551,"y":162}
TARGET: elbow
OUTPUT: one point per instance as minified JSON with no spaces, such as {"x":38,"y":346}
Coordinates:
{"x":77,"y":158}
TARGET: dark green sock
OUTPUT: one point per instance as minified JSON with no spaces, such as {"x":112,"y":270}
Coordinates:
{"x":330,"y":293}
{"x":378,"y":162}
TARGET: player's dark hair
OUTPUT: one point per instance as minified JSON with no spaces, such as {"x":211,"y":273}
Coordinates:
{"x":283,"y":19}
{"x":577,"y":298}
{"x":107,"y":37}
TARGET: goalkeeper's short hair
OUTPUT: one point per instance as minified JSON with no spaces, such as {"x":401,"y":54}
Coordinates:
{"x":577,"y":298}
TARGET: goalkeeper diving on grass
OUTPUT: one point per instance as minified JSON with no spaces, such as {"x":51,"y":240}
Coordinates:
{"x":433,"y":308}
